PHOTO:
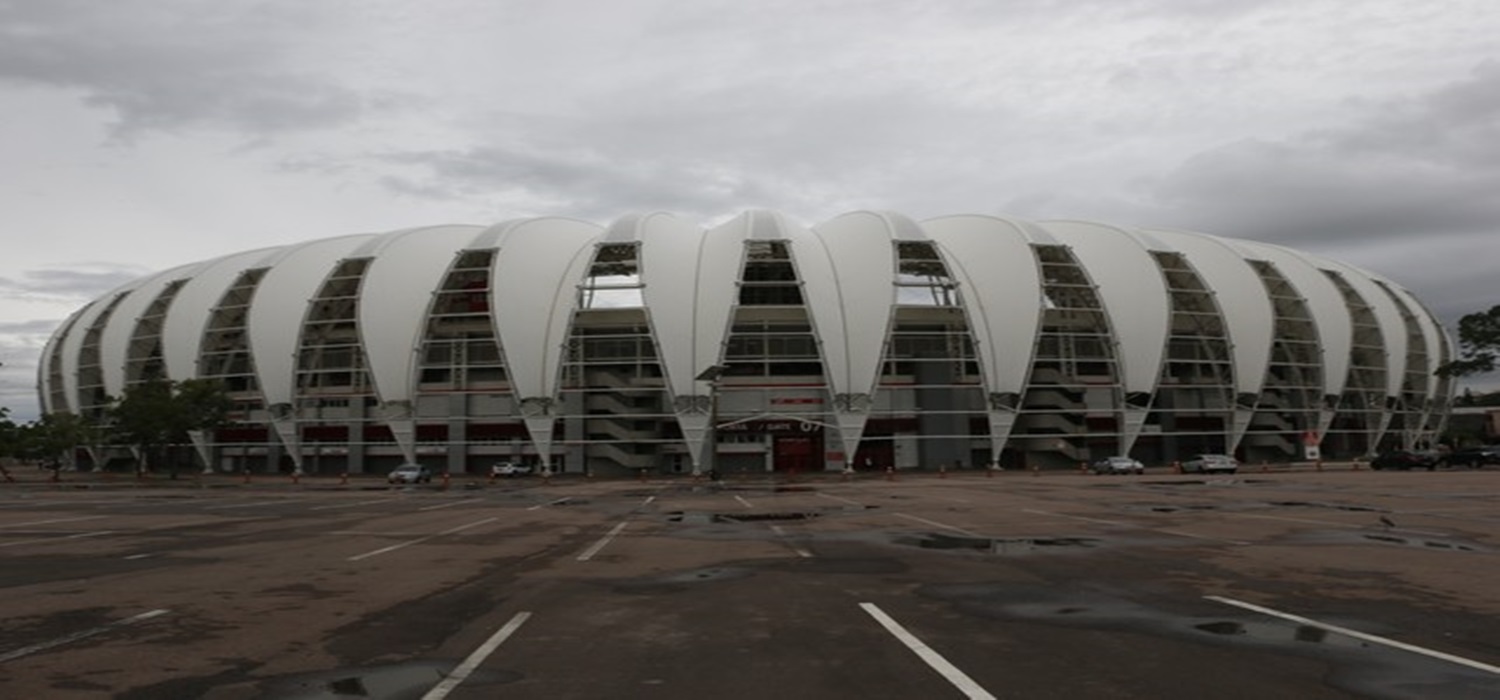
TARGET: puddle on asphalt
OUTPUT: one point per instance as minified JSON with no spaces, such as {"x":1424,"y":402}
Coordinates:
{"x":407,"y":680}
{"x":998,"y":545}
{"x":1332,"y":506}
{"x":1426,"y":544}
{"x":712,"y":518}
{"x":1273,"y":632}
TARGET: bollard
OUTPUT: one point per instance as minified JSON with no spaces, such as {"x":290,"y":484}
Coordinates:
{"x":1083,"y":467}
{"x":1264,"y":467}
{"x":890,"y":473}
{"x":1036,"y":470}
{"x":1176,"y":467}
{"x":1319,"y":465}
{"x":344,"y":479}
{"x":942,"y":471}
{"x":296,"y":478}
{"x":640,"y":475}
{"x":446,"y":477}
{"x":1356,"y":464}
{"x":246,"y":478}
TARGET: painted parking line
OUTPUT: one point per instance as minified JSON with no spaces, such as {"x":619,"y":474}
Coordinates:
{"x":1078,"y":517}
{"x":68,"y":639}
{"x":419,"y":540}
{"x":841,"y":499}
{"x":785,"y":536}
{"x":355,"y":504}
{"x":603,"y":541}
{"x":557,"y":502}
{"x":935,"y":523}
{"x":77,"y":536}
{"x":1374,"y":639}
{"x":461,"y":672}
{"x":441,"y":506}
{"x":743,"y":502}
{"x":245,"y":505}
{"x":52,"y":520}
{"x":1119,"y":523}
{"x":948,"y":671}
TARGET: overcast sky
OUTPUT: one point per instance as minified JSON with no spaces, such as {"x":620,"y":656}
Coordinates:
{"x":142,"y":134}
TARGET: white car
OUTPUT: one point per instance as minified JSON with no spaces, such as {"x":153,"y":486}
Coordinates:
{"x":409,"y":474}
{"x":1208,"y":464}
{"x":1119,"y":465}
{"x":510,"y":469}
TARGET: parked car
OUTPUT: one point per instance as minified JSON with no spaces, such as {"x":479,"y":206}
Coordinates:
{"x":409,"y":474}
{"x":510,"y":469}
{"x":1475,"y":456}
{"x":1210,"y":464}
{"x":1407,"y":459}
{"x":1119,"y":465}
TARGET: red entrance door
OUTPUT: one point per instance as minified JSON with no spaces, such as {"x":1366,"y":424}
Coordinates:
{"x":797,"y":452}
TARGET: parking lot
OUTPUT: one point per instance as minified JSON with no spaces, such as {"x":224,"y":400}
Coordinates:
{"x":1308,"y":584}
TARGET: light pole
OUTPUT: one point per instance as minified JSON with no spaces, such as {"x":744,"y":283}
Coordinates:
{"x":711,"y":376}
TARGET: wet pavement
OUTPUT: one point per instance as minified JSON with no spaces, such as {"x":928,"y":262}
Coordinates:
{"x":1055,"y":586}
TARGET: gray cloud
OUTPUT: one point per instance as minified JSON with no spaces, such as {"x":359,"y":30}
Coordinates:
{"x":167,"y":64}
{"x":1428,"y":164}
{"x":83,"y":281}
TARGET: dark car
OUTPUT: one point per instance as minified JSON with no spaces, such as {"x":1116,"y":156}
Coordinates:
{"x":1406,"y":459}
{"x":1475,"y":456}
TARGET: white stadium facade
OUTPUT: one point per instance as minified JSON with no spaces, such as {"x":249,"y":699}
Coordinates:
{"x":869,"y":341}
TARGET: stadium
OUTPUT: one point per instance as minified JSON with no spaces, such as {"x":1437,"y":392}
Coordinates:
{"x":870,"y":341}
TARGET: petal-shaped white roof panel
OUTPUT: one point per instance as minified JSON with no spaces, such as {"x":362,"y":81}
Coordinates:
{"x":1329,"y":312}
{"x":394,"y":298}
{"x":1242,"y":300}
{"x":74,"y":342}
{"x":1132,"y":290}
{"x":852,"y":307}
{"x":1001,"y":289}
{"x":280,"y":305}
{"x":182,"y":334}
{"x":533,"y":293}
{"x":1431,"y":332}
{"x":115,"y":342}
{"x":1392,"y":328}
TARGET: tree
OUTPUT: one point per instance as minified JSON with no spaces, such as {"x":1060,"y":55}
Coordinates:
{"x":156,"y":415}
{"x":53,"y":437}
{"x":1478,"y":345}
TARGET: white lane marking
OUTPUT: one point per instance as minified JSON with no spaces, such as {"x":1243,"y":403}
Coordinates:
{"x":783,"y":534}
{"x":959,"y":679}
{"x":245,"y":505}
{"x":743,"y":502}
{"x":352,"y":505}
{"x":408,"y":543}
{"x":53,"y":520}
{"x":55,"y":539}
{"x":1308,"y":521}
{"x":935,"y":523}
{"x":559,"y":501}
{"x":603,"y":541}
{"x":841,"y":498}
{"x":137,"y":556}
{"x":461,"y":672}
{"x":1077,"y":517}
{"x":1358,"y":635}
{"x":1118,"y":523}
{"x":27,"y":651}
{"x":441,"y":506}
{"x":1240,"y":543}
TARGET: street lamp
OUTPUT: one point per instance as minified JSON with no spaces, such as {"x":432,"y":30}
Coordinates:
{"x":711,"y":376}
